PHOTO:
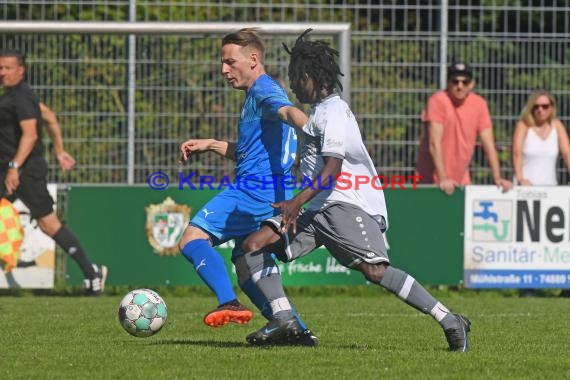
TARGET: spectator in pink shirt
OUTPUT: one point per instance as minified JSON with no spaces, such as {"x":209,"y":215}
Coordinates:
{"x":452,"y":120}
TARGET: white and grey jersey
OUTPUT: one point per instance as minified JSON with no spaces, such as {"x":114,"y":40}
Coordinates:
{"x":332,"y":130}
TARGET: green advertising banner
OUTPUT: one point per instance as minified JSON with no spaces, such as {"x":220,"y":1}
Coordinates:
{"x":133,"y":230}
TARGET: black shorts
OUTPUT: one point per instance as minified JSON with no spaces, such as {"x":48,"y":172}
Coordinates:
{"x":33,"y":191}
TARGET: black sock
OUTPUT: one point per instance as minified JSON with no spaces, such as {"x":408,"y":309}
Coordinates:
{"x":69,"y":243}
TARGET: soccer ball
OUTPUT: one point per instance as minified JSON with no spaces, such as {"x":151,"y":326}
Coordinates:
{"x":142,"y":312}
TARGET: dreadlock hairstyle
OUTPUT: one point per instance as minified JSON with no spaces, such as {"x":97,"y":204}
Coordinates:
{"x":317,"y":60}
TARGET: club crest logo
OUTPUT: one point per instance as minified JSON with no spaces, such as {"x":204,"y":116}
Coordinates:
{"x":165,"y":224}
{"x":492,"y":220}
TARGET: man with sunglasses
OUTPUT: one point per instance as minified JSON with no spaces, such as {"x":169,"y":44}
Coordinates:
{"x":452,"y":121}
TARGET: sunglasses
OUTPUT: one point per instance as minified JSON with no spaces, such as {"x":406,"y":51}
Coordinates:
{"x":456,"y":81}
{"x":541,"y":106}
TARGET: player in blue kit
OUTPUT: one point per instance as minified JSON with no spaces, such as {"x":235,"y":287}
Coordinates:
{"x":265,"y":149}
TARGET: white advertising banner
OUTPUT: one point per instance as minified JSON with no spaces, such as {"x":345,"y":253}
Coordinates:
{"x":518,"y":239}
{"x":36,"y":262}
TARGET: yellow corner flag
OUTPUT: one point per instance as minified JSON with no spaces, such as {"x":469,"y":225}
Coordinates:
{"x":11,"y":234}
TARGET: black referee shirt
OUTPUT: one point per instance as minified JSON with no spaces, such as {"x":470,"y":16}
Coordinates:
{"x":16,"y":104}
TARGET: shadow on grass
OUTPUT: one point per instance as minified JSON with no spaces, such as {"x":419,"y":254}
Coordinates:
{"x":208,"y":343}
{"x":218,"y":344}
{"x":363,"y":347}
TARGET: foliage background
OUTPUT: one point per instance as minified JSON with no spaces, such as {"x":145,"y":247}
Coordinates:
{"x":515,"y":47}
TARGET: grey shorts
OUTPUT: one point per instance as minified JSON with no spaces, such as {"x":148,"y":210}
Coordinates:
{"x":350,"y":235}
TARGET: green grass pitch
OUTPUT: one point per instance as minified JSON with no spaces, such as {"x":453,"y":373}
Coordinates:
{"x":363,"y":336}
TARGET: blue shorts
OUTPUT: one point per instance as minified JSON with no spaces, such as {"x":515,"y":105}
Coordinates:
{"x":235,"y":214}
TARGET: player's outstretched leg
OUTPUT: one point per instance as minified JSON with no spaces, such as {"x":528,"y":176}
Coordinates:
{"x":212,"y":270}
{"x":456,"y":327}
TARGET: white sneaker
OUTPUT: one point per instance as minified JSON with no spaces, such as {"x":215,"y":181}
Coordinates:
{"x":96,"y":286}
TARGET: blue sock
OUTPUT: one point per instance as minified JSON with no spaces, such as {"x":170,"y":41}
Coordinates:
{"x":301,"y":323}
{"x":211,"y":268}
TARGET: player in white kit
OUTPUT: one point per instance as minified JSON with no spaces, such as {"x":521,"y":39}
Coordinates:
{"x":348,"y":220}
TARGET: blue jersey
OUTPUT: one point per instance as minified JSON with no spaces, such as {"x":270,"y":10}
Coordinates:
{"x":266,"y":146}
{"x":265,"y":149}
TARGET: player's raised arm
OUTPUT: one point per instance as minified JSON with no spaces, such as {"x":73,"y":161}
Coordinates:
{"x":197,"y":146}
{"x":293,"y":116}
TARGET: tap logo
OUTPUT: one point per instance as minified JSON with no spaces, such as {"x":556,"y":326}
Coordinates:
{"x":492,"y":220}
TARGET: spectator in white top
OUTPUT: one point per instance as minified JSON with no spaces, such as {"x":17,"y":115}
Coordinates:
{"x":538,"y":140}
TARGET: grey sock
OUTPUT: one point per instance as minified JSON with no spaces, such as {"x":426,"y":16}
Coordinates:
{"x":408,"y":289}
{"x":449,"y":321}
{"x":265,"y":273}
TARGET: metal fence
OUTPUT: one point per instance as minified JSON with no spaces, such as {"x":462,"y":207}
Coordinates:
{"x":398,"y":50}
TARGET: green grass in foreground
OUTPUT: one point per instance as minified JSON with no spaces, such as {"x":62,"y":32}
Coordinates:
{"x":362,"y":337}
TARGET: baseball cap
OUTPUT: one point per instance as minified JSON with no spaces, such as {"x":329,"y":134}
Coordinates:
{"x":457,"y":69}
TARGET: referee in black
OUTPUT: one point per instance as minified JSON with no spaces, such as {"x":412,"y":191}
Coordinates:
{"x":23,"y":169}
